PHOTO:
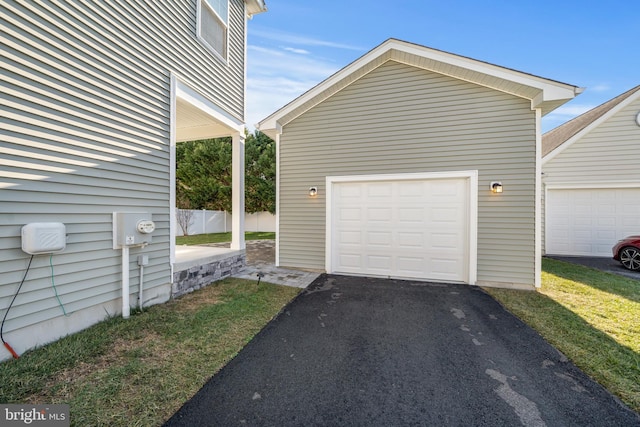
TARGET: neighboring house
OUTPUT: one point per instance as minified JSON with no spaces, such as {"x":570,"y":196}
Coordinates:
{"x":591,"y":177}
{"x":95,"y":96}
{"x":402,"y":147}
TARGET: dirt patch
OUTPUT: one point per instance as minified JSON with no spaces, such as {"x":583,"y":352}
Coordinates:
{"x":209,"y":295}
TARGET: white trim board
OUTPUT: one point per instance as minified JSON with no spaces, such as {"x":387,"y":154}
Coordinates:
{"x":537,"y":89}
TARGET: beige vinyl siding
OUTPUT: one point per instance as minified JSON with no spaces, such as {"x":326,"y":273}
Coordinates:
{"x":402,"y":119}
{"x":85,"y":131}
{"x":607,"y":155}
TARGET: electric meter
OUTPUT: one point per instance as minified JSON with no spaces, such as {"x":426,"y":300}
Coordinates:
{"x":132,"y":229}
{"x":146,"y":226}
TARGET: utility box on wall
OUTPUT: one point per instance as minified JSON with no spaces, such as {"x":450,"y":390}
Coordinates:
{"x":132,"y":229}
{"x":43,"y":238}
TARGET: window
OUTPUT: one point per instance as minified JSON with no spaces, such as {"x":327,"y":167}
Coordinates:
{"x":214,"y":24}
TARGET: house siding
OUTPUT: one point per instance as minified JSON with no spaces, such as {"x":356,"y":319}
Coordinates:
{"x":590,"y":160}
{"x":85,"y":113}
{"x":607,"y":155}
{"x":403,"y":119}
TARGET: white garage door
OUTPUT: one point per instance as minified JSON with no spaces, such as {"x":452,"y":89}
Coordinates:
{"x":404,"y":229}
{"x":590,"y":221}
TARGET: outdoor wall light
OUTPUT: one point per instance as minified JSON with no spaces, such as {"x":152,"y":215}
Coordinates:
{"x":496,"y":187}
{"x":313,"y":191}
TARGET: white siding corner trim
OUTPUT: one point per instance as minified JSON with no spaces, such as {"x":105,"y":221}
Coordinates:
{"x":470,"y":178}
{"x":538,"y":201}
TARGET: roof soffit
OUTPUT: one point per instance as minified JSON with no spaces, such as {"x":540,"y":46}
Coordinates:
{"x":255,"y":6}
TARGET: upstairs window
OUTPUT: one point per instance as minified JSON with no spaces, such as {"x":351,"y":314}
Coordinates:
{"x":213,"y":25}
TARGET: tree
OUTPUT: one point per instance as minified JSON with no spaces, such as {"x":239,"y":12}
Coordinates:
{"x":203,"y":174}
{"x":185,"y":219}
{"x":260,"y":173}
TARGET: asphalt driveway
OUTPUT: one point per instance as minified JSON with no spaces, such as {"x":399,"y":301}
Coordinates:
{"x":362,"y":351}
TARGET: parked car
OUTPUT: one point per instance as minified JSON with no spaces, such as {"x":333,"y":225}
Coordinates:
{"x":627,"y":251}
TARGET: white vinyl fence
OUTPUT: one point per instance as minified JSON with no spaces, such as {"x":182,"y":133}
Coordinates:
{"x":204,"y":221}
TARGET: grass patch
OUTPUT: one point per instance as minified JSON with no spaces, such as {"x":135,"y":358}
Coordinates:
{"x":593,"y":317}
{"x":201,"y":239}
{"x":138,"y":372}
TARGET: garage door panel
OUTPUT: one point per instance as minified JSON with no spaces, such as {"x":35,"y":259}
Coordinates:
{"x":410,"y":240}
{"x":444,"y":265}
{"x":411,"y":216}
{"x":442,"y":241}
{"x":380,"y":261}
{"x":607,"y":221}
{"x":379,"y":214}
{"x":631,"y":209}
{"x":631,"y":221}
{"x":407,"y":264}
{"x":378,"y":190}
{"x":379,"y":239}
{"x":606,"y":235}
{"x":444,"y":214}
{"x":349,"y":214}
{"x":351,"y":260}
{"x":411,"y":229}
{"x":589,"y":221}
{"x":350,"y":237}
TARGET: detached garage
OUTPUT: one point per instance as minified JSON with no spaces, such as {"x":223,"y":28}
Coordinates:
{"x":387,"y":169}
{"x":591,"y":177}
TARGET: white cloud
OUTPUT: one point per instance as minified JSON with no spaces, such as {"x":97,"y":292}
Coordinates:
{"x":299,"y":51}
{"x":276,"y":76}
{"x":281,"y":66}
{"x":600,"y":88}
{"x":299,"y":40}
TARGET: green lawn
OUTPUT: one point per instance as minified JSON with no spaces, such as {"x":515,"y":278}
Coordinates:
{"x":138,"y":372}
{"x":201,"y":239}
{"x":592,"y":317}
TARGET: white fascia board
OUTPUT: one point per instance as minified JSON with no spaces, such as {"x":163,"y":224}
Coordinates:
{"x":552,"y":90}
{"x":594,"y":124}
{"x":196,"y":99}
{"x":549,"y":89}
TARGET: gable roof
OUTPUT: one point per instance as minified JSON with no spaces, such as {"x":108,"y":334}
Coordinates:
{"x":573,"y":129}
{"x":543,"y":93}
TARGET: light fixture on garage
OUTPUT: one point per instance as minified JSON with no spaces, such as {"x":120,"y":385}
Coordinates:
{"x":313,"y":191}
{"x":496,"y":187}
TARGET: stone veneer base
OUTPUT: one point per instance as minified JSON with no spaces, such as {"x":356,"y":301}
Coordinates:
{"x":199,"y":276}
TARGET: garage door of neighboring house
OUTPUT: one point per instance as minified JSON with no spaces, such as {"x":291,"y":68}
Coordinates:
{"x":588,"y":222}
{"x":401,"y":228}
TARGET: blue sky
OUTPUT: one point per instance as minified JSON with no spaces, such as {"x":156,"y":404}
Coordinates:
{"x":589,"y":43}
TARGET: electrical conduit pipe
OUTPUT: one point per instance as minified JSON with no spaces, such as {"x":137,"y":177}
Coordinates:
{"x":126,"y":309}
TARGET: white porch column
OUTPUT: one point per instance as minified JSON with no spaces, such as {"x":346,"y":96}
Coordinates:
{"x":237,"y":192}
